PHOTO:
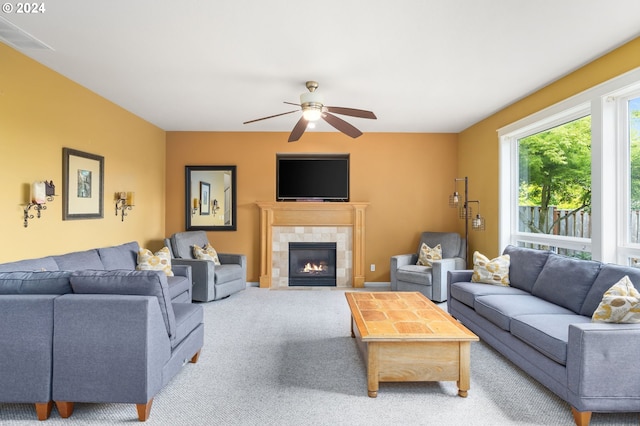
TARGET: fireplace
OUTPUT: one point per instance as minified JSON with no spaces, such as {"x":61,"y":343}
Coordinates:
{"x":312,"y":264}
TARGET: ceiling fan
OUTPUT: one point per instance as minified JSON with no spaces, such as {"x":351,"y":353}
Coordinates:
{"x":313,"y":109}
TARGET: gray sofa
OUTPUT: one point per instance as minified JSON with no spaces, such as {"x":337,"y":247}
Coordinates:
{"x":123,"y":256}
{"x":93,"y":335}
{"x":210,"y":281}
{"x":429,"y":280}
{"x":542,"y":323}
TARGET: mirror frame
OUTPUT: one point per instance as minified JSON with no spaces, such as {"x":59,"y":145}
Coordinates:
{"x":189,"y":197}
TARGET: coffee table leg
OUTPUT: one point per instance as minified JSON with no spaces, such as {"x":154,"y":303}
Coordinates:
{"x":464,"y":383}
{"x":352,"y":333}
{"x":372,"y":369}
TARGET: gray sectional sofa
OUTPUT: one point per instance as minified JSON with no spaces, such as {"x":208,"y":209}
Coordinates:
{"x":87,"y":327}
{"x":542,"y":323}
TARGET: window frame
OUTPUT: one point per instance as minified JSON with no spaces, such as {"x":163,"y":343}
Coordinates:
{"x":606,"y":243}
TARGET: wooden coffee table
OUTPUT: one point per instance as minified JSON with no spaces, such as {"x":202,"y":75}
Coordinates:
{"x":405,"y":337}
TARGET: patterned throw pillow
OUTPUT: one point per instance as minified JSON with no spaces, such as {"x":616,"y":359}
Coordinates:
{"x":158,"y":261}
{"x":427,"y":254}
{"x":494,"y":271}
{"x":620,"y":304}
{"x":206,"y":253}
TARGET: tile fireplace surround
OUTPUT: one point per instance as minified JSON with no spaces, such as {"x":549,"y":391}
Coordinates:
{"x":282,"y":222}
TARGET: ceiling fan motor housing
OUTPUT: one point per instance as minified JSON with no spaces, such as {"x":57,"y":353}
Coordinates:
{"x":311,"y":103}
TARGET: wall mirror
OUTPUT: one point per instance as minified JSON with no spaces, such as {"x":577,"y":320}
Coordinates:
{"x":210,"y":198}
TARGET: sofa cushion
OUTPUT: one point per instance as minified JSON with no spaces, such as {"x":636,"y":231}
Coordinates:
{"x":525,"y":266}
{"x":428,"y":254}
{"x":79,"y":260}
{"x":123,"y":256}
{"x":35,"y":282}
{"x":566,"y":281}
{"x":467,"y":292}
{"x":158,"y":261}
{"x":40,"y":264}
{"x":609,"y":275}
{"x":500,"y":308}
{"x":490,"y":271}
{"x":206,"y":253}
{"x":547,"y":333}
{"x":620,"y":304}
{"x":141,"y":283}
{"x":415,"y":274}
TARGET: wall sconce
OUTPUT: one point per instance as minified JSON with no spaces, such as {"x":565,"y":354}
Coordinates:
{"x":195,"y":206}
{"x":41,"y":192}
{"x":464,"y":210}
{"x":215,"y":206}
{"x":124,"y":201}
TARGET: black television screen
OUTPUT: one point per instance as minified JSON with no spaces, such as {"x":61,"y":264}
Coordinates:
{"x":322,"y":177}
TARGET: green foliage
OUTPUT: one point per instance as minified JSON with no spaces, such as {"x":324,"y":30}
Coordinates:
{"x":555,"y":168}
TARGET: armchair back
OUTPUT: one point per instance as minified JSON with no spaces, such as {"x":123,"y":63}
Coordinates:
{"x":181,"y":243}
{"x":452,"y":244}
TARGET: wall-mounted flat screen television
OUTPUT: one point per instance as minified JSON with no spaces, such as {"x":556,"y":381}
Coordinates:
{"x":321,"y":177}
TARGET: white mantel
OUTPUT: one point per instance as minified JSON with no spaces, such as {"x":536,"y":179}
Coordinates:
{"x":316,"y":214}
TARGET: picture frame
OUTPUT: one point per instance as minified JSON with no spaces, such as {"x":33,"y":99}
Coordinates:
{"x":82,"y":185}
{"x":205,"y":191}
{"x":210,"y":198}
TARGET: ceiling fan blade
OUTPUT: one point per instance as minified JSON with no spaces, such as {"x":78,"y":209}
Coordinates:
{"x":353,"y":112}
{"x":341,"y":125}
{"x":291,"y":103}
{"x":298,"y":130}
{"x":271,"y":116}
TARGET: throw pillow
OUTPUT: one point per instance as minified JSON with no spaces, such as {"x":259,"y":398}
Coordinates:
{"x":206,"y":253}
{"x":620,"y":304}
{"x":494,"y":271}
{"x":428,"y":254}
{"x":158,"y":261}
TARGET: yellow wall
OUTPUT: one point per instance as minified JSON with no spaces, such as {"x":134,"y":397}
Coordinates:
{"x":407,"y":179}
{"x":478,"y":145}
{"x":40,"y":113}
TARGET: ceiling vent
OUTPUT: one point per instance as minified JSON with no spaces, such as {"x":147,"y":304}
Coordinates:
{"x":18,"y":38}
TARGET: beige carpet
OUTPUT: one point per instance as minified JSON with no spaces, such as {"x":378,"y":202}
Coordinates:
{"x":287,"y":358}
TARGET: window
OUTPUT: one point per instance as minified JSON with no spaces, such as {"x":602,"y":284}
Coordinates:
{"x":629,"y":112}
{"x":570,"y":175}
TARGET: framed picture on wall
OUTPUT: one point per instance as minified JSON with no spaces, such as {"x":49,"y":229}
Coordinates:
{"x":83,"y":185}
{"x":205,"y":195}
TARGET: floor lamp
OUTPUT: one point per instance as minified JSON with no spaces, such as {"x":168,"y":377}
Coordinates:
{"x":465,"y":211}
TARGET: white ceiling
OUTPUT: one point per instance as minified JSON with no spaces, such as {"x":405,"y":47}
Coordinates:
{"x":420,"y":65}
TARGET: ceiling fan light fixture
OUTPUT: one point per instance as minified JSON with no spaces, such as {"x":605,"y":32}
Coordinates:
{"x":312,"y":112}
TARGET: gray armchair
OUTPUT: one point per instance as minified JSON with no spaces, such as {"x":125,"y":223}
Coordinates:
{"x":429,"y":280}
{"x":210,"y":281}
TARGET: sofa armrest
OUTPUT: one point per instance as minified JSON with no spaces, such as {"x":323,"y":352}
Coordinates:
{"x":601,"y":360}
{"x":181,"y":270}
{"x":226,"y":258}
{"x":396,"y":262}
{"x":201,"y":270}
{"x":439,"y":270}
{"x":108,"y":348}
{"x":460,"y":276}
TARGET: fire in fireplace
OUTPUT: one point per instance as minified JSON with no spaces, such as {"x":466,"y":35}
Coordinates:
{"x":312,"y":264}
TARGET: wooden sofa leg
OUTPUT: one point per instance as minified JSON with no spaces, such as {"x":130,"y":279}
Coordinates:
{"x":65,"y":409}
{"x":144,"y":410}
{"x":582,"y":418}
{"x":43,"y":410}
{"x":194,"y":358}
